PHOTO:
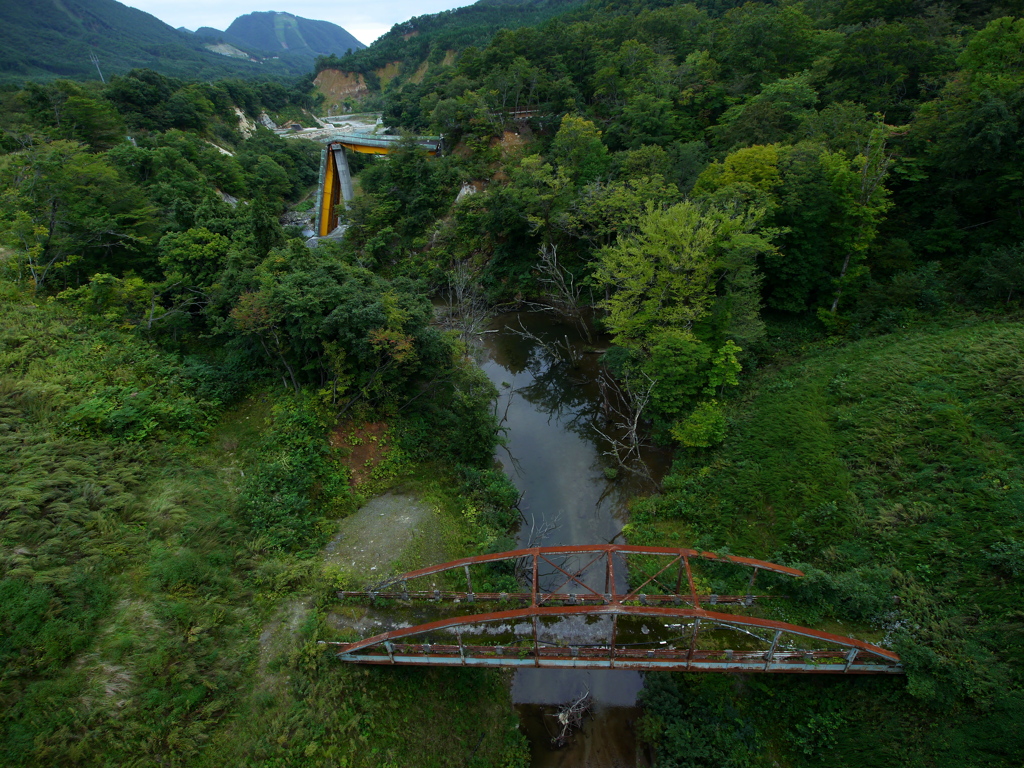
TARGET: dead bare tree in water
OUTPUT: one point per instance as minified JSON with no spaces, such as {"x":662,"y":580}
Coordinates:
{"x":561,"y":290}
{"x":561,"y":350}
{"x":508,"y":404}
{"x":623,"y":406}
{"x":467,"y":311}
{"x":523,"y":569}
{"x":569,"y":718}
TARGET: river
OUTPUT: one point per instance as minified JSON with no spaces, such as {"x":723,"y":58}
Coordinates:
{"x":572,"y":493}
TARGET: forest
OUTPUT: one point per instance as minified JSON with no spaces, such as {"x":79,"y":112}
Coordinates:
{"x":798,"y":229}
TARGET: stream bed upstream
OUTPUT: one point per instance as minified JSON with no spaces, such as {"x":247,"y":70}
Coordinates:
{"x":573,"y":493}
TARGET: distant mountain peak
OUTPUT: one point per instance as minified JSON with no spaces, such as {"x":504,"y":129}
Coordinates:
{"x":281,"y":31}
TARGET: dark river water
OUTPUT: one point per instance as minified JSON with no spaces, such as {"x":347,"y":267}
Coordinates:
{"x":572,"y":493}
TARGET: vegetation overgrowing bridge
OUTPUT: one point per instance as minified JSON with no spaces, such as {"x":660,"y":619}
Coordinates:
{"x":564,"y":621}
{"x":336,"y":179}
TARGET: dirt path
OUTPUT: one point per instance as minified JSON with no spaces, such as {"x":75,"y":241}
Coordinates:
{"x":382,"y":538}
{"x":388,"y":535}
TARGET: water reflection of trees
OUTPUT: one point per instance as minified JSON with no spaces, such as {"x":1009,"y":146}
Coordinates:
{"x":564,"y":386}
{"x":555,"y":391}
{"x":568,"y":393}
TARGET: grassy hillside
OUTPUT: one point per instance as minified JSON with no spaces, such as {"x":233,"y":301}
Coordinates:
{"x":141,"y":617}
{"x":272,"y":31}
{"x":895,"y":466}
{"x":55,"y":39}
{"x":293,"y":40}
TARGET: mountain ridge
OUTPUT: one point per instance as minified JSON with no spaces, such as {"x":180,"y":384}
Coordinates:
{"x":48,"y":39}
{"x":86,"y":39}
{"x":285,"y":35}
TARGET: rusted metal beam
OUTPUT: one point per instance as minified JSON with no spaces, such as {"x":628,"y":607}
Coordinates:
{"x":534,"y":613}
{"x":443,"y":656}
{"x":693,"y":587}
{"x":632,"y":595}
{"x":535,"y":584}
{"x":610,"y":550}
{"x":569,"y":577}
{"x":525,"y":597}
{"x":856,"y":657}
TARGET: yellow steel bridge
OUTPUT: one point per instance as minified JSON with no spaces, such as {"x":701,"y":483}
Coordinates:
{"x":336,"y":179}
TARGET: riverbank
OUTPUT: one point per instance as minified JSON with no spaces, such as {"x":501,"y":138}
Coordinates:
{"x":889,"y":469}
{"x":413,"y":515}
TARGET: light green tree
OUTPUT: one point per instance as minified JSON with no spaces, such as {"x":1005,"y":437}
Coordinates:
{"x":578,"y":150}
{"x":195,"y":256}
{"x":667,"y":275}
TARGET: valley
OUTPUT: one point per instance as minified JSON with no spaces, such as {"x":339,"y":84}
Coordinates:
{"x":721,"y":277}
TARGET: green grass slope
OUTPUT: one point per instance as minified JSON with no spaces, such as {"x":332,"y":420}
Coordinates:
{"x":272,"y":31}
{"x":47,"y":39}
{"x":893,"y":468}
{"x":141,"y":622}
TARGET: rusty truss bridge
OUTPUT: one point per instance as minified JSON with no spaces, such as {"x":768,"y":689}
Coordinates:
{"x":564,"y":618}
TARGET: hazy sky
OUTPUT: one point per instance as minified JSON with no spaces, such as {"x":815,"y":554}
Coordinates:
{"x":366,"y":20}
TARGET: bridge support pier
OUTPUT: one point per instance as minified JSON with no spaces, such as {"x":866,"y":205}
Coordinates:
{"x":335,"y":187}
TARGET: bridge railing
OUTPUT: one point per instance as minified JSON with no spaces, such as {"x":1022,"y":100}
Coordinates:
{"x":527,"y":637}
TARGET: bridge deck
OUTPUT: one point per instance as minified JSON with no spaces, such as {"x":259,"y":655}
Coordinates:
{"x":376,"y":143}
{"x":602,"y":657}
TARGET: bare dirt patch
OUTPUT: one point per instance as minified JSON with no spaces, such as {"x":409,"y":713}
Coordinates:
{"x":388,"y":72}
{"x":417,"y":76}
{"x":509,"y":142}
{"x":363,"y":447}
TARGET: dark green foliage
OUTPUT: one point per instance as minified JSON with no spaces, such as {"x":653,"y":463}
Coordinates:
{"x":868,"y":155}
{"x":403,"y":194}
{"x":65,"y":110}
{"x":697,"y":723}
{"x":150,"y":100}
{"x":63,"y":207}
{"x":454,"y":422}
{"x":320,"y":320}
{"x":294,"y":479}
{"x":279,"y":169}
{"x":430,"y":36}
{"x":825,"y":84}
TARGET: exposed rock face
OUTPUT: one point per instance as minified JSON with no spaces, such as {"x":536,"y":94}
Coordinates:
{"x":246,"y":127}
{"x":226,"y":49}
{"x":267,"y":122}
{"x":336,"y":85}
{"x":467,"y":190}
